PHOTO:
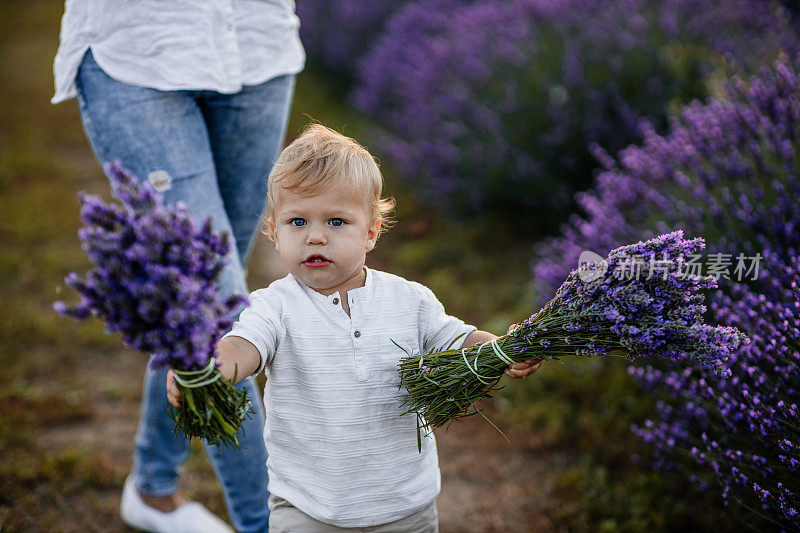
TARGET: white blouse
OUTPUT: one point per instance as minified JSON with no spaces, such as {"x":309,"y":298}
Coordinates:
{"x":217,"y":45}
{"x":339,"y":449}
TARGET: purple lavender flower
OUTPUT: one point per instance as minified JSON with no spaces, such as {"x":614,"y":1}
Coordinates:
{"x":728,"y":168}
{"x":521,"y":89}
{"x":154,"y":275}
{"x":338,"y":32}
{"x":741,"y":428}
{"x":640,"y":315}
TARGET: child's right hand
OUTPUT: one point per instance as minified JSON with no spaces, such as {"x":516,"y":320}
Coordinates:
{"x":173,"y":393}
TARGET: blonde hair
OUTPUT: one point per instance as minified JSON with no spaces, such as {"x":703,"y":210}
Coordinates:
{"x":321,"y":158}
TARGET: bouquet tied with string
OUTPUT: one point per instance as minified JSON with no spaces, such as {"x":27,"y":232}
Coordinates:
{"x":154,"y":281}
{"x":639,"y":302}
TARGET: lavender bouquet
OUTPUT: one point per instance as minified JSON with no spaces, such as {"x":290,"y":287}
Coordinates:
{"x":639,"y":302}
{"x":154,"y":282}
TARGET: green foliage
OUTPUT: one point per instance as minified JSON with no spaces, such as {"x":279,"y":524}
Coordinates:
{"x":457,"y":261}
{"x":620,"y":497}
{"x":586,"y":408}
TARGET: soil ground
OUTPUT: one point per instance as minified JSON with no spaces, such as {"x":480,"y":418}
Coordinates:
{"x":487,"y":484}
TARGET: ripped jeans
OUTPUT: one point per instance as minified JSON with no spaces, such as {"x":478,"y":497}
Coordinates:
{"x":213,"y":152}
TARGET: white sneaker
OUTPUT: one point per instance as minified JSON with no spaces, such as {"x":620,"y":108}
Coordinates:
{"x":192,"y":517}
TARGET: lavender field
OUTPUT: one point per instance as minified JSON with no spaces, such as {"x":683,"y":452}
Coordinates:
{"x":515,"y":135}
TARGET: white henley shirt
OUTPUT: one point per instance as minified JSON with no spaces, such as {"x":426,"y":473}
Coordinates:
{"x":217,"y":45}
{"x":338,"y":448}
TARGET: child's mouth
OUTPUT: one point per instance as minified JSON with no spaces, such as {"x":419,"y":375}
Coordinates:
{"x":316,"y":261}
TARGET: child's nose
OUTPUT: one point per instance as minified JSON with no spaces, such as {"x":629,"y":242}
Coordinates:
{"x":315,"y":236}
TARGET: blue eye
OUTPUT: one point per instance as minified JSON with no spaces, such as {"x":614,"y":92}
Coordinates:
{"x":298,"y":222}
{"x":336,"y":222}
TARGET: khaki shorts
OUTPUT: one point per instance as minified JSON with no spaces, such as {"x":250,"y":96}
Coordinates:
{"x":286,"y":518}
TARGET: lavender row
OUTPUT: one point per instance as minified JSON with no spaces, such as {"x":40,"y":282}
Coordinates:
{"x":492,"y":106}
{"x":336,"y":33}
{"x":728,"y":169}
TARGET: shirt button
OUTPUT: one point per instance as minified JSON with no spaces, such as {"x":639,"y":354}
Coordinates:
{"x":336,"y":301}
{"x":229,"y":27}
{"x":356,"y":334}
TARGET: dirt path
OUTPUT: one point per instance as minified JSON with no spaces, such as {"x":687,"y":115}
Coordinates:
{"x":487,"y":484}
{"x":491,"y":486}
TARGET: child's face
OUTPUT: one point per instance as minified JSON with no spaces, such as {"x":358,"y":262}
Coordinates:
{"x":323,"y":240}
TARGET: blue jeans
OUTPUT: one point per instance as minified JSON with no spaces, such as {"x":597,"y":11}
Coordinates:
{"x":213,"y":152}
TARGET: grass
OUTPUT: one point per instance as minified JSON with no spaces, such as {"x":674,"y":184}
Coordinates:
{"x":587,"y":406}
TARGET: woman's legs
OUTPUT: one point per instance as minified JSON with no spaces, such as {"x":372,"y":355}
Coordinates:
{"x":162,"y":136}
{"x":247,"y":130}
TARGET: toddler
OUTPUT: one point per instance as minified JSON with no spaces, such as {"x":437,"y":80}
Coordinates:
{"x":329,"y":336}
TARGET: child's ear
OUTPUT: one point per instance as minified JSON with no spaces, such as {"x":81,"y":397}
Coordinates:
{"x":270,"y":230}
{"x":372,"y":234}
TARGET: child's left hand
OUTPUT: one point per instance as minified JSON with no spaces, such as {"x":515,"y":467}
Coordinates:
{"x":516,"y":370}
{"x":524,"y":369}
